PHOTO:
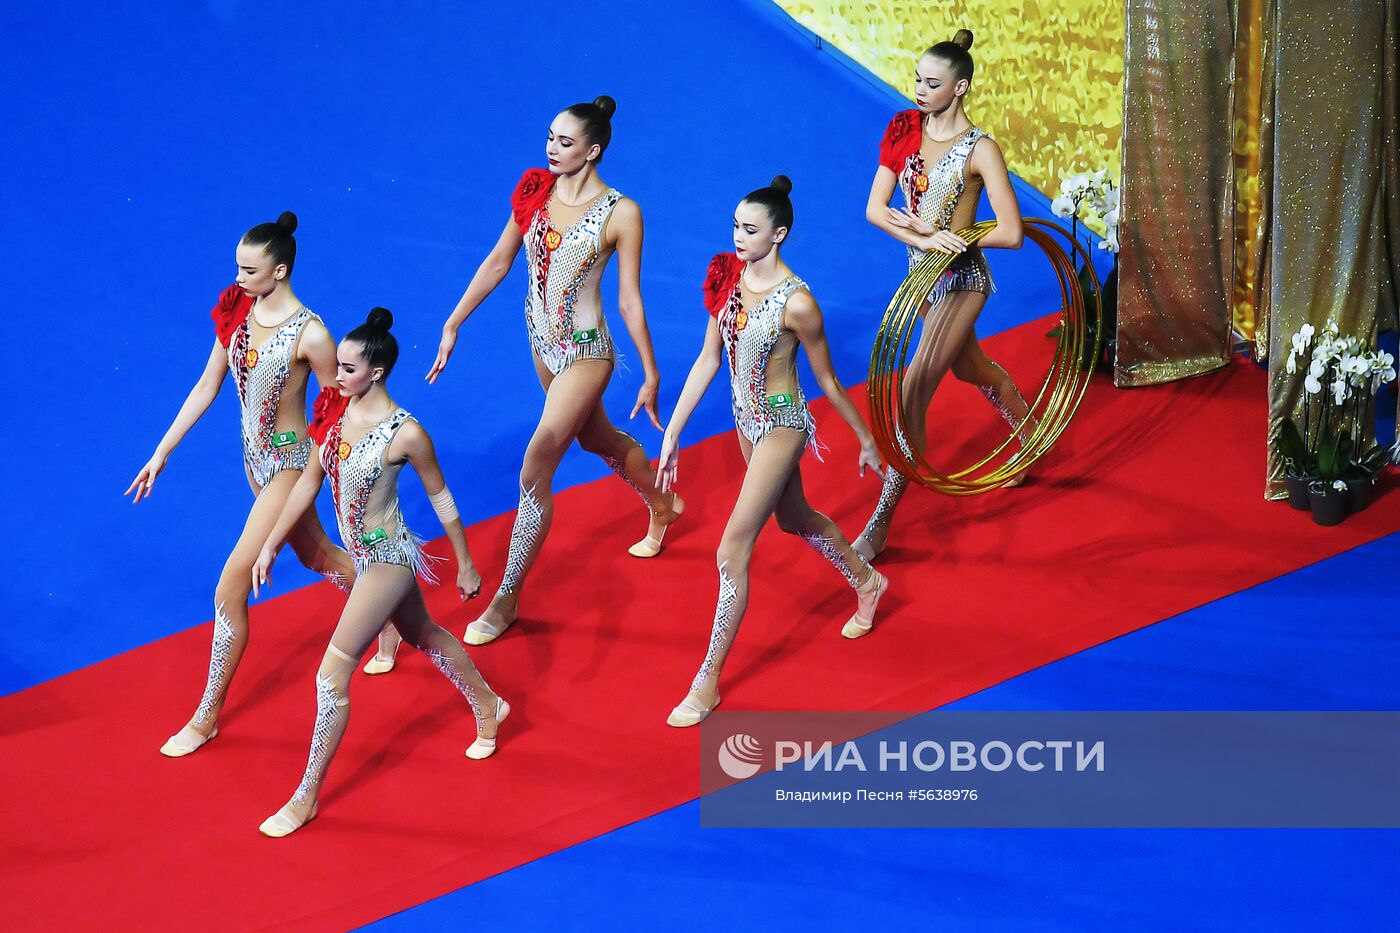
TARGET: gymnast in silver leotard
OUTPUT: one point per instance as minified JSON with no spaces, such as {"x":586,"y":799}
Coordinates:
{"x":760,"y":312}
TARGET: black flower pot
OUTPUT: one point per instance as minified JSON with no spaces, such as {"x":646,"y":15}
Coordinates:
{"x":1298,"y":491}
{"x":1358,"y":493}
{"x":1329,"y":506}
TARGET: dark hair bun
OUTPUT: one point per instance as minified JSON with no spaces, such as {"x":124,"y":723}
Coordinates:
{"x":963,"y":38}
{"x":606,"y":104}
{"x":380,"y":319}
{"x":287,"y":221}
{"x":781,"y":183}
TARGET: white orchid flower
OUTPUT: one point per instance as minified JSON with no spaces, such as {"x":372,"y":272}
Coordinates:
{"x":1307,"y":331}
{"x":1339,"y":390}
{"x":1111,"y":199}
{"x":1382,"y":361}
{"x":1074,"y":184}
{"x":1062,"y":207}
{"x":1291,"y":366}
{"x":1111,"y":217}
{"x":1317,"y":369}
{"x":1311,"y":385}
{"x":1299,"y":345}
{"x":1339,"y":485}
{"x":1110,"y":242}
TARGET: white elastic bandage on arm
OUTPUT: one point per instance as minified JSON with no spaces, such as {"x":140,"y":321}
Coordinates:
{"x":443,"y":505}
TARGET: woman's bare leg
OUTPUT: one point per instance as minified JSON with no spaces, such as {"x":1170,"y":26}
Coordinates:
{"x":231,"y":615}
{"x":797,"y":517}
{"x":945,"y":331}
{"x":381,"y":590}
{"x":569,"y":401}
{"x":770,"y":463}
{"x":629,"y":460}
{"x":317,"y":552}
{"x":975,"y":367}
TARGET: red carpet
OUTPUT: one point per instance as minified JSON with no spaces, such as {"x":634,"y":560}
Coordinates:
{"x":1150,"y":505}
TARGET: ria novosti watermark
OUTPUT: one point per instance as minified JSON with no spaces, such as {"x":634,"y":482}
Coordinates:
{"x":741,"y":755}
{"x":1052,"y":768}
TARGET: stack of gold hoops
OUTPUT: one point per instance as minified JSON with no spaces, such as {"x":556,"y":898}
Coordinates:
{"x":1055,"y":404}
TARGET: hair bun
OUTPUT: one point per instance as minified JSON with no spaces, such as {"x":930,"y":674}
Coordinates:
{"x":963,"y":38}
{"x":287,"y":221}
{"x":606,"y":104}
{"x":380,"y":319}
{"x":781,"y":183}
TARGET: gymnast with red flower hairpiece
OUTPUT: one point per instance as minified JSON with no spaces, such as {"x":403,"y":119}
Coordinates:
{"x":570,"y":223}
{"x":941,"y":163}
{"x":759,"y":312}
{"x":271,"y":343}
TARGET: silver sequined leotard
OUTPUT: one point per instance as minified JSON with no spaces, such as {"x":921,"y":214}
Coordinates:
{"x":261,"y":374}
{"x":750,"y":338}
{"x":561,"y":262}
{"x":933,"y":194}
{"x":367,"y":498}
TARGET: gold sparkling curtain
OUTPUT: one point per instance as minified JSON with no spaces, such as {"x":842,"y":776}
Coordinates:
{"x":1390,"y":119}
{"x":1175,"y":285}
{"x":1330,"y":252}
{"x":1253,"y":145}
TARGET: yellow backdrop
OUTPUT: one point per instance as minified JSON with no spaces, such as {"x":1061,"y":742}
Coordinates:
{"x":1049,"y":81}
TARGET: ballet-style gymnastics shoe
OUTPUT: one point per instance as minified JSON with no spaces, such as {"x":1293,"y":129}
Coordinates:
{"x":283,"y":823}
{"x":377,"y":665}
{"x":485,"y":748}
{"x":689,"y":713}
{"x":482,"y":632}
{"x":650,"y":546}
{"x":185,"y":741}
{"x":858,"y":624}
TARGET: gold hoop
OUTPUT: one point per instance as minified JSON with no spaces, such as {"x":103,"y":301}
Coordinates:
{"x":1055,"y":404}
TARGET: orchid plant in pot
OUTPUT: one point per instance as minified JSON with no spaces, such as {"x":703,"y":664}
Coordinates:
{"x":1324,"y":455}
{"x":1085,"y":197}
